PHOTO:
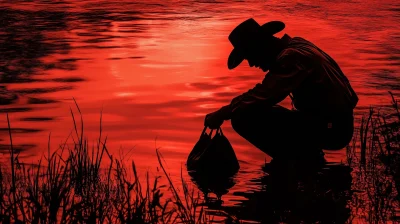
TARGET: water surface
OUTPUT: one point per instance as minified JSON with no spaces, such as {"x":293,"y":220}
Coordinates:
{"x":156,"y":68}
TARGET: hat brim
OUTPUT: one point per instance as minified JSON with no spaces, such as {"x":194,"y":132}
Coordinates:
{"x":235,"y":58}
{"x":272,"y":27}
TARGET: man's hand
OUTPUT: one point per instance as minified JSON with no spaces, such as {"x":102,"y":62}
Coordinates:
{"x":215,"y":119}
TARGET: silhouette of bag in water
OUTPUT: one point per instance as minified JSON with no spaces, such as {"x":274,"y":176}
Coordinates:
{"x":213,"y":183}
{"x":213,"y":155}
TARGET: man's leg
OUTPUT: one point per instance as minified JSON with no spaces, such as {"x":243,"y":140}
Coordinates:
{"x":277,"y":131}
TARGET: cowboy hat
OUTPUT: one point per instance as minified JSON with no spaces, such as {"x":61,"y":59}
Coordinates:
{"x":245,"y":34}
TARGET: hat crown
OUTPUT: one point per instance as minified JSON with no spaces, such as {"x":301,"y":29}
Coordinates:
{"x":244,"y":32}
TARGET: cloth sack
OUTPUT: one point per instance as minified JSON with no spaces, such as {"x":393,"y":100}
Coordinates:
{"x":213,"y":155}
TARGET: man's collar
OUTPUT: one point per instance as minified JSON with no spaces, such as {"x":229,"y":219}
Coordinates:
{"x":286,"y":39}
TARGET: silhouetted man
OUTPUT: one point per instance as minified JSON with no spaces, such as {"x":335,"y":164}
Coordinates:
{"x":322,"y":96}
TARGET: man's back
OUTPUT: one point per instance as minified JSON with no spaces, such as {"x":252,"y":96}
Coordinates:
{"x":326,"y":89}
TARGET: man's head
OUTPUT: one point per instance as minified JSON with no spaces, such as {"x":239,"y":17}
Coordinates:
{"x":255,"y":43}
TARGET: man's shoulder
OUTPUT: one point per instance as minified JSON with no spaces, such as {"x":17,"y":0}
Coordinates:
{"x":298,"y":52}
{"x":299,"y":47}
{"x":299,"y":40}
{"x":293,"y":50}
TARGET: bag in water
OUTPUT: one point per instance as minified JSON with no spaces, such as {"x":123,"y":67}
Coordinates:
{"x":213,"y":155}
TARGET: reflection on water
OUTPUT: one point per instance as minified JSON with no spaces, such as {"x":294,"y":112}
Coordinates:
{"x":156,"y":68}
{"x":216,"y":184}
{"x":299,"y":193}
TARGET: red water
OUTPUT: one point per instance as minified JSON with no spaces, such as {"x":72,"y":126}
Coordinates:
{"x":156,"y":68}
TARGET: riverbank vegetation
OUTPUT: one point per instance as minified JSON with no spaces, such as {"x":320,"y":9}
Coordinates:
{"x":71,"y":185}
{"x":374,"y":156}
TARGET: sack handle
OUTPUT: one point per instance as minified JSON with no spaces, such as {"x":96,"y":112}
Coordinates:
{"x":219,"y":129}
{"x":204,"y":131}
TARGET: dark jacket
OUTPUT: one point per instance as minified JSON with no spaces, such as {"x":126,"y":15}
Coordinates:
{"x":313,"y":79}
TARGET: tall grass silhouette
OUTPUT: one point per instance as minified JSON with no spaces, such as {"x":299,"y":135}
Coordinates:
{"x":78,"y":183}
{"x":374,"y":156}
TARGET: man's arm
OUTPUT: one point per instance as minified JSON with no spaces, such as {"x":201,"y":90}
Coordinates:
{"x":279,"y":82}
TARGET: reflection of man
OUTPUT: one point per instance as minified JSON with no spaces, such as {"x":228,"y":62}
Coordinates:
{"x":298,"y":194}
{"x":320,"y":92}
